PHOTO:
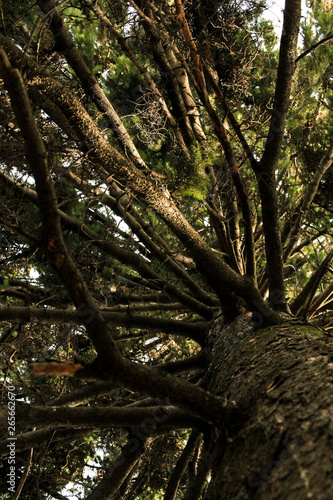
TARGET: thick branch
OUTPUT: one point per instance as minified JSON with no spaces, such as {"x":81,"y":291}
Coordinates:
{"x":92,"y":391}
{"x":119,"y":469}
{"x":162,"y":416}
{"x":285,"y":72}
{"x":109,"y":363}
{"x":221,"y":277}
{"x":265,"y":171}
{"x":52,"y":240}
{"x":64,"y":43}
{"x":181,"y":465}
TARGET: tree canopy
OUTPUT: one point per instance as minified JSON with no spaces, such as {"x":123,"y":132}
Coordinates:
{"x":164,"y":164}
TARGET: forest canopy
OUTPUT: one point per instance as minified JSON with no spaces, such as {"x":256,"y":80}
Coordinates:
{"x":164,"y":166}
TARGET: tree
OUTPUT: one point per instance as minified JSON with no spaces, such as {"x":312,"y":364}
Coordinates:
{"x":166,"y":212}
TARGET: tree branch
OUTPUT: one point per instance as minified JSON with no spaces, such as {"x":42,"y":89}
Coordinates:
{"x":307,"y":200}
{"x":113,"y":417}
{"x":109,"y":363}
{"x":195,"y":330}
{"x":265,"y":170}
{"x":285,"y":72}
{"x":123,"y":255}
{"x":322,"y":300}
{"x":119,"y":469}
{"x":38,"y":438}
{"x":146,"y":234}
{"x":222,"y":136}
{"x":313,"y":47}
{"x":225,"y":282}
{"x":181,"y":465}
{"x":65,"y":45}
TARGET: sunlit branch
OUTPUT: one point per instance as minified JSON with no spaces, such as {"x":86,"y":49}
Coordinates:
{"x":64,"y":41}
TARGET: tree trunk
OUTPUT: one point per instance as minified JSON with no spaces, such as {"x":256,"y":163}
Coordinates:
{"x":278,"y":440}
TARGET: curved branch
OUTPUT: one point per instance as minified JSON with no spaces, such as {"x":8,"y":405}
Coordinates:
{"x":313,"y":47}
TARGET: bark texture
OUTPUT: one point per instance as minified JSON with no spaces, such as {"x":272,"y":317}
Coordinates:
{"x":278,"y":441}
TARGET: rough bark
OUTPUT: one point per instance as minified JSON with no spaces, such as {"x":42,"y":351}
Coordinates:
{"x":279,"y":382}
